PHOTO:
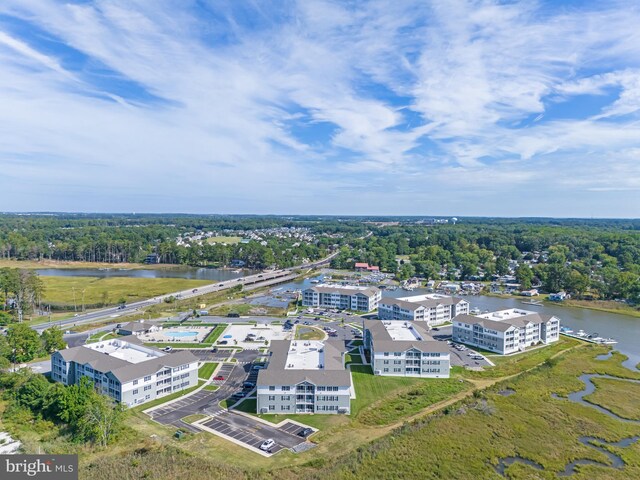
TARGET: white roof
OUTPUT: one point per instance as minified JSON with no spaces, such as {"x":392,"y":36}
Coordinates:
{"x":129,"y":352}
{"x":402,"y":331}
{"x":508,"y":314}
{"x":305,"y":355}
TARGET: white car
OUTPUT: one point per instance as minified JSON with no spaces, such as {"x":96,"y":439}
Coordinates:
{"x":267,"y":445}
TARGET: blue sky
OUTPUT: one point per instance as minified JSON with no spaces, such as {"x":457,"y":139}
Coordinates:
{"x":315,"y":106}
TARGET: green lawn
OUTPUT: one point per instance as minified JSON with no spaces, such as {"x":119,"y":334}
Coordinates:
{"x":309,"y":333}
{"x":512,"y":364}
{"x":194,"y":418}
{"x":383,"y":400}
{"x":211,"y":388}
{"x":216,"y":332}
{"x":96,"y":337}
{"x":206,"y":370}
{"x":108,"y":291}
{"x":352,"y":358}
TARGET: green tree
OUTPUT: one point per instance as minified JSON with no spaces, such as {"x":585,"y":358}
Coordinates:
{"x":33,"y":392}
{"x":52,"y":340}
{"x":524,"y":276}
{"x":405,"y":271}
{"x":103,"y":418}
{"x":502,"y":266}
{"x":24,"y":343}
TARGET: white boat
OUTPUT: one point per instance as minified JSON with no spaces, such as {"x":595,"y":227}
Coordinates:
{"x":608,"y":341}
{"x":566,"y":330}
{"x":475,"y":311}
{"x":581,"y":333}
{"x":315,"y":281}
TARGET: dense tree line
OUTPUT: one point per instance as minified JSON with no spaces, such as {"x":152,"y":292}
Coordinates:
{"x":599,"y":261}
{"x":121,"y":238}
{"x":82,"y":412}
{"x":20,"y":291}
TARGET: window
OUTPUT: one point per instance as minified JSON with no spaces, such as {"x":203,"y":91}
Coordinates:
{"x":135,"y":392}
{"x":147,"y":397}
{"x":147,"y":378}
{"x":386,"y":362}
{"x":272,"y":388}
{"x":272,"y":397}
{"x":385,"y":370}
{"x":147,"y":388}
{"x":286,"y":388}
{"x":135,"y":382}
{"x":396,"y":354}
{"x":386,"y":354}
{"x":272,"y":407}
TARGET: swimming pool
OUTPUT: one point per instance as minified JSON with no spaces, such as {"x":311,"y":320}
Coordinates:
{"x":180,"y":334}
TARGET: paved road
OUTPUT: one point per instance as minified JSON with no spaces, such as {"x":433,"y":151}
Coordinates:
{"x":250,"y":282}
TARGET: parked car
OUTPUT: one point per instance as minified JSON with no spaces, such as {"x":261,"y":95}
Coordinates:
{"x":218,"y":377}
{"x":305,"y":432}
{"x":167,"y":349}
{"x":258,"y":367}
{"x":194,"y":290}
{"x":214,"y":350}
{"x":267,"y":445}
{"x":248,"y":384}
{"x":233,"y":315}
{"x":221,"y":284}
{"x":223,"y":342}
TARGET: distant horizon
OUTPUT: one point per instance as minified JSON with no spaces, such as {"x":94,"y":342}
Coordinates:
{"x":372,"y":215}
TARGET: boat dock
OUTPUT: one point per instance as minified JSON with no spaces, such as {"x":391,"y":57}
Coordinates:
{"x":594,"y":338}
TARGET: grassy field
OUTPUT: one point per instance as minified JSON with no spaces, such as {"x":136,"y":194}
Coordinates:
{"x":626,"y":397}
{"x":227,"y":240}
{"x":462,"y":441}
{"x":97,"y":337}
{"x":392,"y":435}
{"x":206,"y":370}
{"x":309,"y":333}
{"x":108,"y":291}
{"x":245,"y":309}
{"x":38,"y":264}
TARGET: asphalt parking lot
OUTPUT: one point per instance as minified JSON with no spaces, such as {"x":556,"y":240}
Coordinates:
{"x":458,"y":358}
{"x":253,"y":432}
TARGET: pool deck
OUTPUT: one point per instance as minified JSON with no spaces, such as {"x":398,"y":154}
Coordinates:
{"x":188,"y":334}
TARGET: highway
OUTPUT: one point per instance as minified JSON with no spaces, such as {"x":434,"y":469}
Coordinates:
{"x":249,"y":282}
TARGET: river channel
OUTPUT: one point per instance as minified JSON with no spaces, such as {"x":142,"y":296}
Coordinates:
{"x":190,"y":273}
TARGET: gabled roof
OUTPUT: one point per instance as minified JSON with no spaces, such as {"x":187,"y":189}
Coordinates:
{"x":333,"y":373}
{"x":137,"y":326}
{"x":415,"y":304}
{"x":121,"y":369}
{"x":384,"y":342}
{"x":505,"y":324}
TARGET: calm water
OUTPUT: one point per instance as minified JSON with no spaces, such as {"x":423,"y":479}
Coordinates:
{"x":190,"y":273}
{"x":624,"y":328}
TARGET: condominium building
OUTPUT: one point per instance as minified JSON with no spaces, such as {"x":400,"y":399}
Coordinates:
{"x":125,"y":370}
{"x":433,"y":309}
{"x":305,"y":376}
{"x":506,"y":331}
{"x":347,"y":297}
{"x":405,"y":349}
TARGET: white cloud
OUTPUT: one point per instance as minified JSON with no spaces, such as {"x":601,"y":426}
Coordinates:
{"x":455,"y":92}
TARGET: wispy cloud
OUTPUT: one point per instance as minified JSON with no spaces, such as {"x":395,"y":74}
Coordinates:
{"x":303,"y":106}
